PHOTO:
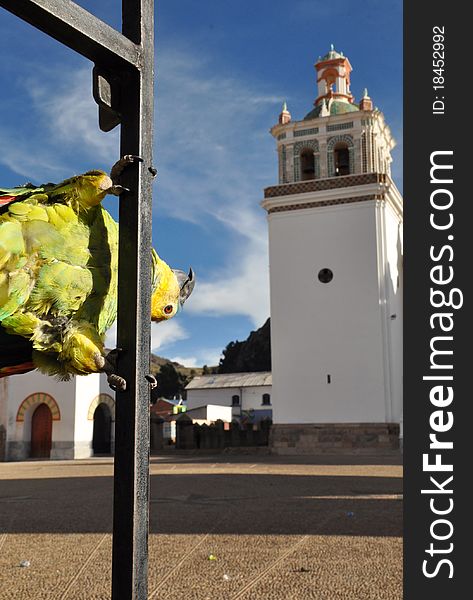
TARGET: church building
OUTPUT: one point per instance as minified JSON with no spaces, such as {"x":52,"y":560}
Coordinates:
{"x":44,"y":418}
{"x":335,"y":249}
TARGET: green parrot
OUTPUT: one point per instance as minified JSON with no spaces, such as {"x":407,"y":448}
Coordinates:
{"x":59,"y":276}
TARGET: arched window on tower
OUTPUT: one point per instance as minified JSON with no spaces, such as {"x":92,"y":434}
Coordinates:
{"x":341,"y":156}
{"x":307,"y":164}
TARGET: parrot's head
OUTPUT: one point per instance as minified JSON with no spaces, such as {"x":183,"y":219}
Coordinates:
{"x":171,"y":288}
{"x":96,"y":185}
{"x":86,"y":190}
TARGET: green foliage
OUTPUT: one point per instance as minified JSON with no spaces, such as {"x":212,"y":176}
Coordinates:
{"x":170,"y":382}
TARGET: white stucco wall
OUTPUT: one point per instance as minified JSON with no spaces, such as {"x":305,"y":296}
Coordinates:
{"x":212,"y":413}
{"x":331,"y":329}
{"x":251,"y":397}
{"x":394,"y":298}
{"x":87,"y":388}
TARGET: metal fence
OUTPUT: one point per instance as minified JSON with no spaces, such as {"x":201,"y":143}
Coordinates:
{"x":123,"y":88}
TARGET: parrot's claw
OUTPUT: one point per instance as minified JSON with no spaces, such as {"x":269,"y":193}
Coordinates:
{"x":116,"y":190}
{"x":121,"y":164}
{"x":110,"y":360}
{"x":152,"y":381}
{"x":99,"y":361}
{"x":117,"y":383}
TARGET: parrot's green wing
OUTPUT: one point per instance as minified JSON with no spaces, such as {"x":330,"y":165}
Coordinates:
{"x":15,"y":281}
{"x":100,"y":308}
{"x":43,"y":257}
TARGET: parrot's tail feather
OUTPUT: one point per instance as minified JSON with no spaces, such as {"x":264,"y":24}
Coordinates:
{"x":16,"y":369}
{"x":50,"y":365}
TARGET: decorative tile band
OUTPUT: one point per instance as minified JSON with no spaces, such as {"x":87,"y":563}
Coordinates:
{"x":35,"y":400}
{"x":338,"y":126}
{"x":332,"y":142}
{"x":330,"y":183}
{"x":283,"y":165}
{"x":303,"y":132}
{"x":101,"y":399}
{"x":364,"y":153}
{"x":300,"y":147}
{"x":337,"y":139}
{"x":304,"y":205}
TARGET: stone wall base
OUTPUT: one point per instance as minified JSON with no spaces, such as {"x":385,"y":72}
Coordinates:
{"x":334,"y":438}
{"x":16,"y":451}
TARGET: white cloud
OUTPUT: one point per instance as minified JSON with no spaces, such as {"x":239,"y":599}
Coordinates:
{"x":213,"y":164}
{"x":210,"y":357}
{"x":71,"y":116}
{"x":190,"y":361}
{"x":162,"y":334}
{"x":241,"y":288}
{"x":62,"y":123}
{"x":210,"y":156}
{"x":111,"y":337}
{"x":214,"y":157}
{"x":204,"y":356}
{"x":165,"y":333}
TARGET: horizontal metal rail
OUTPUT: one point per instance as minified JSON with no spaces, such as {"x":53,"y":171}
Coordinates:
{"x":78,"y":29}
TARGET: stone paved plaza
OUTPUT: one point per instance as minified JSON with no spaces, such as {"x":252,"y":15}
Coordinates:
{"x":325,"y":528}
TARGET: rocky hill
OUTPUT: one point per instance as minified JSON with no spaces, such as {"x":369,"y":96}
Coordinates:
{"x":253,"y":354}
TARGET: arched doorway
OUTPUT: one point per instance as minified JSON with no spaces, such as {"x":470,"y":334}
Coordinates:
{"x":102,"y":435}
{"x":41,"y":432}
{"x":342,"y":159}
{"x":307,"y":164}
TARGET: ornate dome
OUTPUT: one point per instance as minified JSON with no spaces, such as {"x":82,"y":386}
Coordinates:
{"x":331,"y":54}
{"x":337,"y":107}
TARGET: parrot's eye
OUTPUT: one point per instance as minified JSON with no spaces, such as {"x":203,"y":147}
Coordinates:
{"x":168,"y":309}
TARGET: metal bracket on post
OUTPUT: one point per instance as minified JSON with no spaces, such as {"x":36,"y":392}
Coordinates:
{"x":106,"y":92}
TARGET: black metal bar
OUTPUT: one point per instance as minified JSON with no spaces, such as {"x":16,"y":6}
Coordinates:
{"x":130,"y":56}
{"x":131,"y":491}
{"x":78,"y":29}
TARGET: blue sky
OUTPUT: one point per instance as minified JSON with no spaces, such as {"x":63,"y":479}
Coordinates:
{"x":223,"y":70}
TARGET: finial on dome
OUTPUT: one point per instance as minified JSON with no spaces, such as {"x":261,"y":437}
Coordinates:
{"x":285,"y":116}
{"x":366,"y":103}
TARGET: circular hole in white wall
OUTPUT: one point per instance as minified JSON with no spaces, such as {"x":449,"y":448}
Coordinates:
{"x":325,"y":275}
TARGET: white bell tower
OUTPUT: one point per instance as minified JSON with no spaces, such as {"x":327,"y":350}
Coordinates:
{"x":335,"y":247}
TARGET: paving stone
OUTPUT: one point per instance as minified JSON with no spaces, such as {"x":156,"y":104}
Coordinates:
{"x":278,"y":527}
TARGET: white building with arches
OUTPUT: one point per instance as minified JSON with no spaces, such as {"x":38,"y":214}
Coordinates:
{"x":43,"y":418}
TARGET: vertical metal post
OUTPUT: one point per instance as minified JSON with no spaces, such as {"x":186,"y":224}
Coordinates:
{"x":131,"y":479}
{"x":127,"y":58}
